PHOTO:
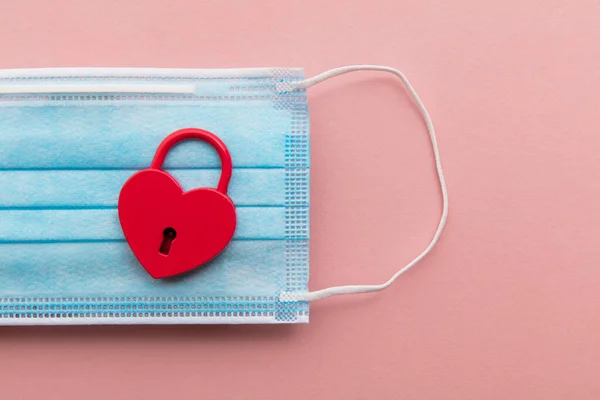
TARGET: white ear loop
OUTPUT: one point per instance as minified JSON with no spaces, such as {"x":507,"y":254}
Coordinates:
{"x":353,"y":289}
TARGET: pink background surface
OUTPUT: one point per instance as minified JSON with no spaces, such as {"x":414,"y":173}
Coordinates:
{"x":507,"y":305}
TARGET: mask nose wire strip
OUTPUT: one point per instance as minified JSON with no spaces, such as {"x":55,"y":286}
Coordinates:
{"x":354,"y":289}
{"x":98,"y":88}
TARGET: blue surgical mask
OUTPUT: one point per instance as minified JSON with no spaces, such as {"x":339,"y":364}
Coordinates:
{"x":70,"y":138}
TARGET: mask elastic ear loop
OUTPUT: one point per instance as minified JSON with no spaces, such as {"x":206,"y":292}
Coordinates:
{"x":353,"y":289}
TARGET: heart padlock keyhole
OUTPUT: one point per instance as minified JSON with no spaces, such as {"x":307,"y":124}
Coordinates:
{"x":169,"y":234}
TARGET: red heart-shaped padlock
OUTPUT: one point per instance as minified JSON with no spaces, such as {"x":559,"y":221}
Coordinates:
{"x":171,"y":231}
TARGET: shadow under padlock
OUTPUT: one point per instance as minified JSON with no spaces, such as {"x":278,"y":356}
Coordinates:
{"x":171,"y":231}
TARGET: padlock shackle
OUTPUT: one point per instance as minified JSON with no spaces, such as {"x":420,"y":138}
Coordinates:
{"x":194,"y":133}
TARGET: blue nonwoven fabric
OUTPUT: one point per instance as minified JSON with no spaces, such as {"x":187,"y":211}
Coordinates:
{"x":64,"y":158}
